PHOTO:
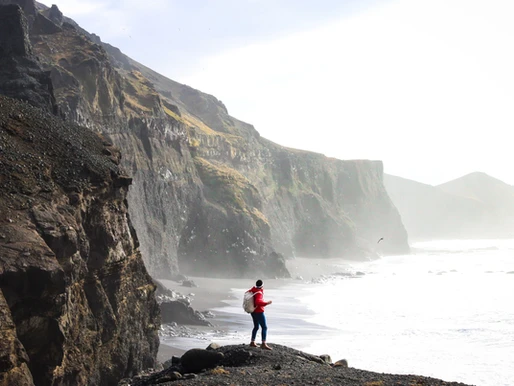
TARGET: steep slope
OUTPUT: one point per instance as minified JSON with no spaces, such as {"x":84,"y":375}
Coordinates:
{"x":77,"y":305}
{"x":452,"y":211}
{"x":21,"y":76}
{"x":210,"y":196}
{"x":77,"y":301}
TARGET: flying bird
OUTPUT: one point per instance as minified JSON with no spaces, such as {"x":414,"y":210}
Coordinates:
{"x":380,"y":240}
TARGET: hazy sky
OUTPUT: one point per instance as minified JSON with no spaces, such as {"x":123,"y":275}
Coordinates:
{"x":427,"y":86}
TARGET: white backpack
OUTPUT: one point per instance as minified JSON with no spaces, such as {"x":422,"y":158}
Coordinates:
{"x":248,"y":301}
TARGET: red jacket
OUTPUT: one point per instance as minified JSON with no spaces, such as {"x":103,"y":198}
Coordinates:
{"x":258,"y":299}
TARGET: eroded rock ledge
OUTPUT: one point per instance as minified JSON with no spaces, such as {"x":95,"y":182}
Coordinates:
{"x":77,"y":305}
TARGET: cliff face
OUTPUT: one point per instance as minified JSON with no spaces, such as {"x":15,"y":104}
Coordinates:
{"x":21,"y":75}
{"x":210,"y":196}
{"x":77,"y":305}
{"x":313,"y":206}
{"x":125,"y":107}
{"x":310,"y":205}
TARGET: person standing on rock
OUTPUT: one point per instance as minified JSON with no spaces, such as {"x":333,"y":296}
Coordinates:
{"x":259,"y":319}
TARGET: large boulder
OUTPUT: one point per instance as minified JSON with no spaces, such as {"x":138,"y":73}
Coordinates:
{"x":196,"y":360}
{"x":179,"y":312}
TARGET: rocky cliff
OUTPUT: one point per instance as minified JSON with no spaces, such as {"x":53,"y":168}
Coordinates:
{"x":313,"y":205}
{"x":21,"y":75}
{"x":77,"y":305}
{"x":210,"y":196}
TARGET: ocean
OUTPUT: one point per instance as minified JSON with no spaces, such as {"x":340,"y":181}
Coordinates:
{"x":446,"y":311}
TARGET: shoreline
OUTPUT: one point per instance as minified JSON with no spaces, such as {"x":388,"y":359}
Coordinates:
{"x":396,"y":315}
{"x":213,"y":294}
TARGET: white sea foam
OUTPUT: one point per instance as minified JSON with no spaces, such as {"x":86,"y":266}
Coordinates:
{"x":445,"y":311}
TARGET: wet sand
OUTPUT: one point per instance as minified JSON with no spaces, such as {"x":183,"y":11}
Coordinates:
{"x":213,"y":294}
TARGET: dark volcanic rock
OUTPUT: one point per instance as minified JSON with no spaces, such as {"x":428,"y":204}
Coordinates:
{"x":79,"y":304}
{"x":242,"y":365}
{"x":28,"y":6}
{"x":21,"y":76}
{"x":55,"y":15}
{"x":196,"y":360}
{"x":14,"y":34}
{"x":175,"y":308}
{"x":14,"y":369}
{"x":42,"y":25}
{"x":179,"y":312}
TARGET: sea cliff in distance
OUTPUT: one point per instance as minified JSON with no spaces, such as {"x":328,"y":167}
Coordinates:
{"x":475,"y":206}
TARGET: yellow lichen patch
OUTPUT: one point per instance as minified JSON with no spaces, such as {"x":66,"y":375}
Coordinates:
{"x":140,"y":82}
{"x":196,"y":123}
{"x":219,"y":371}
{"x":146,"y":291}
{"x":374,"y":383}
{"x":134,"y":104}
{"x":235,"y":140}
{"x":173,"y":115}
{"x":223,"y":172}
{"x":194,"y":143}
{"x":199,"y":128}
{"x":226,"y":185}
{"x":139,"y":92}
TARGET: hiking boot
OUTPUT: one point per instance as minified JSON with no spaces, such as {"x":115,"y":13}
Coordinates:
{"x":252,"y":344}
{"x":264,"y":346}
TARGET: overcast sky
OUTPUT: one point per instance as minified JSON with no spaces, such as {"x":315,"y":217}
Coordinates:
{"x":427,"y":86}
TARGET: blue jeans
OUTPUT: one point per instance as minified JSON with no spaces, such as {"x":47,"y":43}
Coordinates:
{"x":259,"y":319}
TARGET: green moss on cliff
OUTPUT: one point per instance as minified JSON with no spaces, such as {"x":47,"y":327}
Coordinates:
{"x":231,"y":190}
{"x":227,"y":187}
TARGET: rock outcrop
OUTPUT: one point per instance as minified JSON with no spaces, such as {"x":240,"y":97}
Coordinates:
{"x":77,"y":305}
{"x":28,"y":6}
{"x":210,"y":196}
{"x":21,"y":75}
{"x":14,"y":369}
{"x":243,"y":365}
{"x":176,"y":308}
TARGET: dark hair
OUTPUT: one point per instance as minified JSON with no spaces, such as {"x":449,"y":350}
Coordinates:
{"x":258,"y":283}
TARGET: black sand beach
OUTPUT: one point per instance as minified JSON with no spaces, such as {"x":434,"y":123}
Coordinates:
{"x":236,"y":363}
{"x":212,"y":294}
